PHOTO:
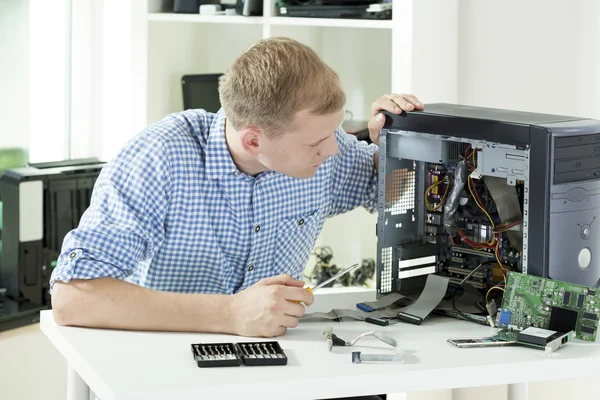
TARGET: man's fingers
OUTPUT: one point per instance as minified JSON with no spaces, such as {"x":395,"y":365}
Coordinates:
{"x":294,"y":309}
{"x":396,"y":103}
{"x":278,"y":331}
{"x":289,"y":321}
{"x":284,"y":279}
{"x":416,"y":102}
{"x":385,"y":103}
{"x":407,"y":102}
{"x":375,"y":124}
{"x":298,"y":295}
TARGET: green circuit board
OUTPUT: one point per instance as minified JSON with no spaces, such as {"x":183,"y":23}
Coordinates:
{"x":545,"y":303}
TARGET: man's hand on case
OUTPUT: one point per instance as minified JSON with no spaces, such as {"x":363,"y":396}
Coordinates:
{"x":394,"y":103}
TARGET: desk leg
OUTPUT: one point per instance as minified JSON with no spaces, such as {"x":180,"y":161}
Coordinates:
{"x":518,"y":391}
{"x":77,"y":389}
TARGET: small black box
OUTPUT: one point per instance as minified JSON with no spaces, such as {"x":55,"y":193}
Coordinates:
{"x":262,"y":353}
{"x":234,"y":354}
{"x":216,"y":355}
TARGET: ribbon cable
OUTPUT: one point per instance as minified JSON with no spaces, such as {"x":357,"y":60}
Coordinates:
{"x":357,"y":356}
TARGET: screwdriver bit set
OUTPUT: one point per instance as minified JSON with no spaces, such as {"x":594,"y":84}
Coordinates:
{"x":234,"y":354}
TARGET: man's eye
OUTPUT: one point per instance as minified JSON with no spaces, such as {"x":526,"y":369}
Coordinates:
{"x":315,"y":145}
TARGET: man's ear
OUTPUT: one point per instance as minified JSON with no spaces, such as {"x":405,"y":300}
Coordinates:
{"x":250,"y":139}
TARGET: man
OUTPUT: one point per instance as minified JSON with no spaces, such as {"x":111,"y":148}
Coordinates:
{"x":204,"y":222}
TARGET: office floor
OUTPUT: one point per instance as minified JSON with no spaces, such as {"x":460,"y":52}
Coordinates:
{"x":31,"y":369}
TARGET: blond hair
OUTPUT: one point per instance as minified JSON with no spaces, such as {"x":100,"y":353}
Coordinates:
{"x":274,"y":79}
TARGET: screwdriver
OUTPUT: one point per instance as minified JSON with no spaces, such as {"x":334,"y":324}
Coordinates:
{"x":328,"y":281}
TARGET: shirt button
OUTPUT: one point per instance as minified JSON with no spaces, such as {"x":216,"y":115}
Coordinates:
{"x":301,"y":222}
{"x":73,"y":254}
{"x":250,"y":268}
{"x":257,"y":228}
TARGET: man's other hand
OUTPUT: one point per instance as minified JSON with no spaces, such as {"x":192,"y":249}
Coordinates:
{"x":394,"y":103}
{"x":266,"y":309}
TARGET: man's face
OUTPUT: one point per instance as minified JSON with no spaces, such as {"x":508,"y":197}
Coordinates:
{"x":299,"y":151}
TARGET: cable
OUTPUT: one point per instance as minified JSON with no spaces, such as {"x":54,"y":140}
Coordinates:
{"x":497,"y":254}
{"x":473,"y":244}
{"x":475,"y":196}
{"x":443,"y":199}
{"x":427,"y":203}
{"x":466,"y":157}
{"x":492,"y":288}
{"x":478,"y":202}
{"x":503,"y":227}
{"x":464,"y":316}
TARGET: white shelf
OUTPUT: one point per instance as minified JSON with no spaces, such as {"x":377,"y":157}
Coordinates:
{"x":287,"y":21}
{"x":215,"y":19}
{"x":333,"y":22}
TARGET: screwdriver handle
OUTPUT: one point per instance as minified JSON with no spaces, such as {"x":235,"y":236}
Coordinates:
{"x":309,"y":291}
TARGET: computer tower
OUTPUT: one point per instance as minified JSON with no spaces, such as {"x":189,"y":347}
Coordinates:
{"x":462,"y":185}
{"x":41,"y":203}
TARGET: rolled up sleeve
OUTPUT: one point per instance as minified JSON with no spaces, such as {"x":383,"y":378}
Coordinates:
{"x":124,"y":224}
{"x":354,"y":175}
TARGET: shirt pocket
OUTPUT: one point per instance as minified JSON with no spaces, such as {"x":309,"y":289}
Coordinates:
{"x":294,"y":242}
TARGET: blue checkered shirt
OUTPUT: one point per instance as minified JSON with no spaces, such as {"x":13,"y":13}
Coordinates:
{"x":172,"y":211}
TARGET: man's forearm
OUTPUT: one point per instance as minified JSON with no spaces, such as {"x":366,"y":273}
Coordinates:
{"x":112,"y":303}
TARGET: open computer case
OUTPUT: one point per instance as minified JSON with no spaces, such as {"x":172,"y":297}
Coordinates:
{"x":461,"y":186}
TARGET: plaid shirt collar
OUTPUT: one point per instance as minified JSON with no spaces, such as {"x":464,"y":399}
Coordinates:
{"x":218,"y":158}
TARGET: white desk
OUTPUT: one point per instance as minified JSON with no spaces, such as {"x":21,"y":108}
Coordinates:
{"x":156,"y":365}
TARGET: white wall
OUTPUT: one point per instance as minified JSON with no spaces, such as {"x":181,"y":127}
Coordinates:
{"x":14,"y":73}
{"x":537,"y":55}
{"x":196,"y":57}
{"x":364,"y":78}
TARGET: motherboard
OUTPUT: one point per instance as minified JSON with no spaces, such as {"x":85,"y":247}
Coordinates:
{"x":477,"y":238}
{"x":531,"y":301}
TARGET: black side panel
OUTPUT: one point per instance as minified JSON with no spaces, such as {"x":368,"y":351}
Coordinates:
{"x":539,"y":202}
{"x":497,"y":125}
{"x":397,"y":222}
{"x":9,"y":194}
{"x":515,"y":134}
{"x":62,"y":201}
{"x":30,"y":272}
{"x":66,"y":198}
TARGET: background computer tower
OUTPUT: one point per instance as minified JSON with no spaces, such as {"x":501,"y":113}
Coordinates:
{"x":41,"y":203}
{"x":553,"y":162}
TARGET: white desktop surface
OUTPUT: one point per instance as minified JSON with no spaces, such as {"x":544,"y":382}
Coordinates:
{"x":159,"y":365}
